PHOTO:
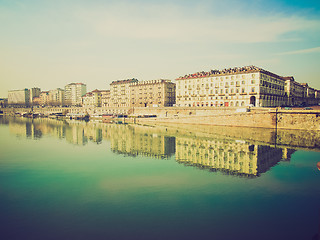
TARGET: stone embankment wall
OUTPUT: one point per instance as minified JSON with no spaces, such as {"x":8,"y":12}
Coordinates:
{"x":309,"y":120}
{"x":257,"y":117}
{"x":262,"y":118}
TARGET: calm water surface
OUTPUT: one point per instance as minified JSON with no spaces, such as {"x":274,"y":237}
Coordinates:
{"x":77,"y":180}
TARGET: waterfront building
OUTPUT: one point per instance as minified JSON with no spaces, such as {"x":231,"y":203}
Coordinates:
{"x":73,"y":94}
{"x":295,"y":92}
{"x":105,"y":98}
{"x":56,"y":97}
{"x":92,"y":99}
{"x":34,"y":92}
{"x":234,"y":87}
{"x":310,"y":93}
{"x":154,"y":93}
{"x":120,"y":92}
{"x":44,"y":98}
{"x":19,"y":97}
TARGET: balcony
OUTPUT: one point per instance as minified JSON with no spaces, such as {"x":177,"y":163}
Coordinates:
{"x":253,"y":93}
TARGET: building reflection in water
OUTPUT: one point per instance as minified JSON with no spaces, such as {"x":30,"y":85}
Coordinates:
{"x":229,"y":156}
{"x":137,"y":140}
{"x":214,"y":153}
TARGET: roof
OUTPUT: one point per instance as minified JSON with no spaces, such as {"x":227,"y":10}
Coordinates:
{"x":124,"y":81}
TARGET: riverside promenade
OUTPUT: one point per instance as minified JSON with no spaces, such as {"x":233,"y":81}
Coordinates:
{"x":274,"y":118}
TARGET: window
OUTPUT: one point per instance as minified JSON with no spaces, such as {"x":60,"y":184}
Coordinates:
{"x":252,"y":89}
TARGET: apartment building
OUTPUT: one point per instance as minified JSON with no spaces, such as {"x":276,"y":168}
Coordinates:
{"x":56,"y":97}
{"x":236,"y":87}
{"x":92,"y":99}
{"x":105,"y":98}
{"x":73,"y":94}
{"x":120,"y":92}
{"x":34,"y":92}
{"x":19,"y":97}
{"x":44,"y":98}
{"x":154,"y":93}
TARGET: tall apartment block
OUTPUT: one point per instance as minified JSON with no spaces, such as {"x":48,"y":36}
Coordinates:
{"x":73,"y":94}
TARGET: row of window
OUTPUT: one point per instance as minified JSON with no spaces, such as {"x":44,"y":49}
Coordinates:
{"x":225,"y":91}
{"x":226,"y":84}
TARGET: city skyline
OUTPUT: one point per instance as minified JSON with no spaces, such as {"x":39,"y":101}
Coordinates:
{"x":50,"y":44}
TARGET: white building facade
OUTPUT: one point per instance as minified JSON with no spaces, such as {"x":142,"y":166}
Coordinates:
{"x":19,"y":97}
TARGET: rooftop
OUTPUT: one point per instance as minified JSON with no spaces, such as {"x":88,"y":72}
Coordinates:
{"x":124,"y":81}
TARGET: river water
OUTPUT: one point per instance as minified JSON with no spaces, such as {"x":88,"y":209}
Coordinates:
{"x":78,"y":180}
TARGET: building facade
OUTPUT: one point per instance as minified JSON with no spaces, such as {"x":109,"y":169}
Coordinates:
{"x":44,"y":98}
{"x":295,"y":91}
{"x":73,"y":94}
{"x":120,"y":92}
{"x":105,"y":98}
{"x":92,"y":99}
{"x":154,"y":93}
{"x":19,"y":97}
{"x":237,"y":87}
{"x":56,"y":97}
{"x":34,"y":92}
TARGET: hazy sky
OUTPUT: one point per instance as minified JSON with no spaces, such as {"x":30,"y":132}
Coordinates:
{"x":49,"y":44}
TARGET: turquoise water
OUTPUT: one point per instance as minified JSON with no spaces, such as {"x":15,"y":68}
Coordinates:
{"x":77,"y":180}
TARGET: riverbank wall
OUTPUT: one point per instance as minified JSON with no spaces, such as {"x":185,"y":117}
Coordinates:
{"x":255,"y":117}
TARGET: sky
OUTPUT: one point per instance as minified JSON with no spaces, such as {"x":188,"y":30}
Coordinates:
{"x":49,"y":44}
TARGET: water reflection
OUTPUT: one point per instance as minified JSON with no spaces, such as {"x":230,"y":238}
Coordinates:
{"x":227,"y":153}
{"x":229,"y":156}
{"x":138,"y":140}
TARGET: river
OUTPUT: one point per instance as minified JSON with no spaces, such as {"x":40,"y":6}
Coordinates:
{"x":78,"y":180}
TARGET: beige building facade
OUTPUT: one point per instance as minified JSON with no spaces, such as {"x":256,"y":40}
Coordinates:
{"x":237,"y":87}
{"x":105,"y":98}
{"x":92,"y":99}
{"x":154,"y":93}
{"x":241,"y":87}
{"x":56,"y":97}
{"x":120,"y":92}
{"x":44,"y":98}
